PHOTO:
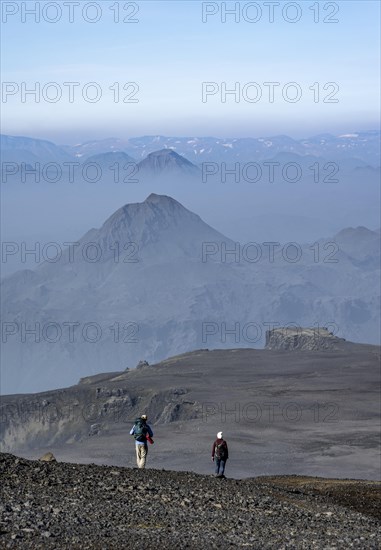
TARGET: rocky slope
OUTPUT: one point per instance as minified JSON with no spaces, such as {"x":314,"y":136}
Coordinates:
{"x":58,"y":505}
{"x":303,"y":339}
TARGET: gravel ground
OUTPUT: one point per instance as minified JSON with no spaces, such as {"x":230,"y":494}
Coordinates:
{"x":66,"y":506}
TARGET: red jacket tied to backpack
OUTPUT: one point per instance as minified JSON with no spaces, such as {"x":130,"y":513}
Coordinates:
{"x":220,"y":449}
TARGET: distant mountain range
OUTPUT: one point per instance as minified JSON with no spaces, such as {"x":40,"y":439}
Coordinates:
{"x":24,"y":149}
{"x":37,"y":156}
{"x":364,"y":147}
{"x":155,"y":280}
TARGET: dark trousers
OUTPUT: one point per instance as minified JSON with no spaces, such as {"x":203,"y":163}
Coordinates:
{"x":220,"y":466}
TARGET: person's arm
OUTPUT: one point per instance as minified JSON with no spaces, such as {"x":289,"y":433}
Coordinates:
{"x":213,"y":449}
{"x":227,"y":451}
{"x":132,"y":431}
{"x":150,"y":432}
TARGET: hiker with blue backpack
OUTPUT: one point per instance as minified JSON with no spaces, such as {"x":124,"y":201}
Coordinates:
{"x":220,"y":454}
{"x":143,"y":434}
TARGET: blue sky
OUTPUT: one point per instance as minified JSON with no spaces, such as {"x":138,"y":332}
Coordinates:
{"x":170,"y":52}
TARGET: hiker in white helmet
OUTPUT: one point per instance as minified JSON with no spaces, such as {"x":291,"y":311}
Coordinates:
{"x":220,"y":454}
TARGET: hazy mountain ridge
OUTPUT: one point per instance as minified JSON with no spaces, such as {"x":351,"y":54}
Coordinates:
{"x":163,"y":273}
{"x":106,"y":160}
{"x":363,"y":146}
{"x":24,"y":149}
{"x":285,"y":197}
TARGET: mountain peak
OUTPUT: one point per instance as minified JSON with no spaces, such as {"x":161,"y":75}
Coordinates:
{"x":154,"y":197}
{"x":163,"y":200}
{"x":164,"y":152}
{"x":166,"y":160}
{"x":154,"y":205}
{"x":159,"y":218}
{"x":359,"y":233}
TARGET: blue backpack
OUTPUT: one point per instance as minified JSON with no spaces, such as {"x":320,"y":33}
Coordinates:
{"x":140,"y":430}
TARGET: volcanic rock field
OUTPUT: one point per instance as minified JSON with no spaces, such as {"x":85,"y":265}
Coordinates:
{"x":61,"y":505}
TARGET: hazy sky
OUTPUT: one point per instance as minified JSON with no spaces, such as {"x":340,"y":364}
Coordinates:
{"x":170,"y":52}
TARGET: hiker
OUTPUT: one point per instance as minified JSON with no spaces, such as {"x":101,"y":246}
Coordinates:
{"x":220,"y":454}
{"x":142,"y":433}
